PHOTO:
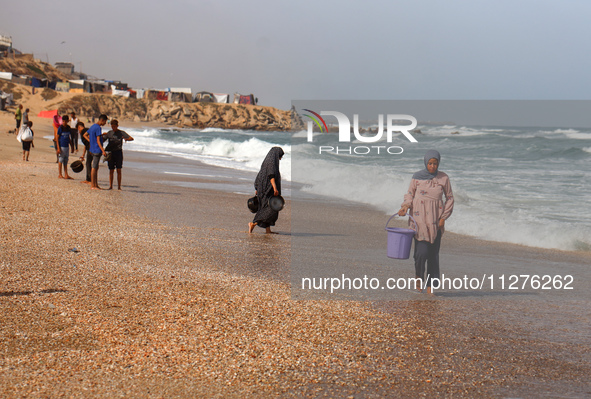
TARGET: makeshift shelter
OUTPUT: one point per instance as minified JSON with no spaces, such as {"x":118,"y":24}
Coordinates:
{"x":180,"y":94}
{"x":121,"y":93}
{"x":241,"y":99}
{"x":62,"y":86}
{"x":140,"y":93}
{"x":221,"y":98}
{"x":76,"y":84}
{"x":22,"y":79}
{"x":5,"y":99}
{"x":98,"y":87}
{"x":204,"y":97}
{"x":35,"y":82}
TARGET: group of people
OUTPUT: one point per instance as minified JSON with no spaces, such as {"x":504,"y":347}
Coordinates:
{"x":67,"y":129}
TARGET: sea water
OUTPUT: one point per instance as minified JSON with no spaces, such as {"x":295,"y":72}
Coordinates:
{"x":522,"y":185}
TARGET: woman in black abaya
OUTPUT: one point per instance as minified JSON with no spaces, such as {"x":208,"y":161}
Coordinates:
{"x":267,"y":185}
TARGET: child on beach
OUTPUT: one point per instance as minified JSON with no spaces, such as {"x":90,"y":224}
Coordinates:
{"x":63,"y":139}
{"x":83,"y":133}
{"x":116,"y":138}
{"x":57,"y":121}
{"x":18,"y":115}
{"x":74,"y":132}
{"x":28,"y":144}
{"x":95,"y":137}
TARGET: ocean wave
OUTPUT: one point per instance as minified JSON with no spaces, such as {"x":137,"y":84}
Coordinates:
{"x":244,"y":155}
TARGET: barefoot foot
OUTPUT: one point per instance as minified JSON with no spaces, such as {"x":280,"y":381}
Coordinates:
{"x":251,"y":227}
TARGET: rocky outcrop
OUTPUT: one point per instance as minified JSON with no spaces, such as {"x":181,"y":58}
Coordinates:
{"x":197,"y":115}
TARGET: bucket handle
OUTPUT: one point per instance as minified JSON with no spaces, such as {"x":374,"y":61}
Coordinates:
{"x":409,"y":215}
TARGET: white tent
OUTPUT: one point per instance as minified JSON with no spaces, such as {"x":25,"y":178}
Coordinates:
{"x":122,"y":93}
{"x":221,"y":98}
{"x":6,"y":75}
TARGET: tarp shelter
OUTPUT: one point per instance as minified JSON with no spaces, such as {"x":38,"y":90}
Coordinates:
{"x":121,"y":93}
{"x":62,"y":86}
{"x":35,"y":82}
{"x":204,"y":97}
{"x":22,"y":79}
{"x":5,"y":99}
{"x":77,"y":84}
{"x":6,"y":75}
{"x":240,"y":99}
{"x":98,"y":87}
{"x":140,"y":93}
{"x":221,"y":98}
{"x":180,"y":94}
{"x":47,"y":114}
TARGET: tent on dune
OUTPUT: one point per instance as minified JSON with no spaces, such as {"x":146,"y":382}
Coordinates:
{"x":245,"y":99}
{"x":204,"y":97}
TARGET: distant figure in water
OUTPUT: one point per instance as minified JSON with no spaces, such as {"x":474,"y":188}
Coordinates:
{"x":267,"y":185}
{"x":425,"y":201}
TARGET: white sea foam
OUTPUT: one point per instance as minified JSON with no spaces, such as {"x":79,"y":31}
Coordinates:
{"x":542,"y":205}
{"x":241,"y":155}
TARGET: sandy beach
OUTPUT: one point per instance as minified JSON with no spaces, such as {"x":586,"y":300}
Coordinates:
{"x":159,"y":291}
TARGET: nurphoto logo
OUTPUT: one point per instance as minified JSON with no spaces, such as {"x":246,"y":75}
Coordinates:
{"x":393,"y":127}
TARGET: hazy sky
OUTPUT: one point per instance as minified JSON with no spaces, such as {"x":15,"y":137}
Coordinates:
{"x":279,"y":50}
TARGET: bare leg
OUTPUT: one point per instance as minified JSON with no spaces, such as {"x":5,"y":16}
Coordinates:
{"x":59,"y":168}
{"x":94,"y":179}
{"x":111,"y":172}
{"x":66,"y":175}
{"x":251,"y":227}
{"x":119,"y":179}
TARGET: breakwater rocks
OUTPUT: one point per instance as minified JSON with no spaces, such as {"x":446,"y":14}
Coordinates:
{"x":198,"y":115}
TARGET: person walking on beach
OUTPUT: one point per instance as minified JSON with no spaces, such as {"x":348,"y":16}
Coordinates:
{"x":26,"y":117}
{"x":267,"y":184}
{"x":57,"y":121}
{"x":115,"y":146}
{"x":74,"y":131}
{"x":95,"y":137}
{"x":18,"y":115}
{"x":63,"y":139}
{"x":28,"y":144}
{"x":83,"y":133}
{"x":424,"y":199}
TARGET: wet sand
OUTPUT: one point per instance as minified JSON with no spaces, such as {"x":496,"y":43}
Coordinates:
{"x":169,"y":296}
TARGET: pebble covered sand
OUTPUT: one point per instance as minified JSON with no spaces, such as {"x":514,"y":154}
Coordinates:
{"x":95,"y":302}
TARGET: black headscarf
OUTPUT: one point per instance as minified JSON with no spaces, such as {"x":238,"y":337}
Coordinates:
{"x":269,"y":170}
{"x":266,"y":217}
{"x":424,"y":174}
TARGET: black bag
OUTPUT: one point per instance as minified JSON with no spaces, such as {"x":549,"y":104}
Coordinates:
{"x":253,"y":204}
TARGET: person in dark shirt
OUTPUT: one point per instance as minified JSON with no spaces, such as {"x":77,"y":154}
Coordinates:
{"x":82,"y":132}
{"x":63,"y":139}
{"x":115,"y":146}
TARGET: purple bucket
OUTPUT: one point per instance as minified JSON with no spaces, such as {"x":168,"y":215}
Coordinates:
{"x":399,"y":240}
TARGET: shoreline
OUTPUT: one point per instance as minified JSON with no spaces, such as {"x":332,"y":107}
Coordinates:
{"x":169,"y":296}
